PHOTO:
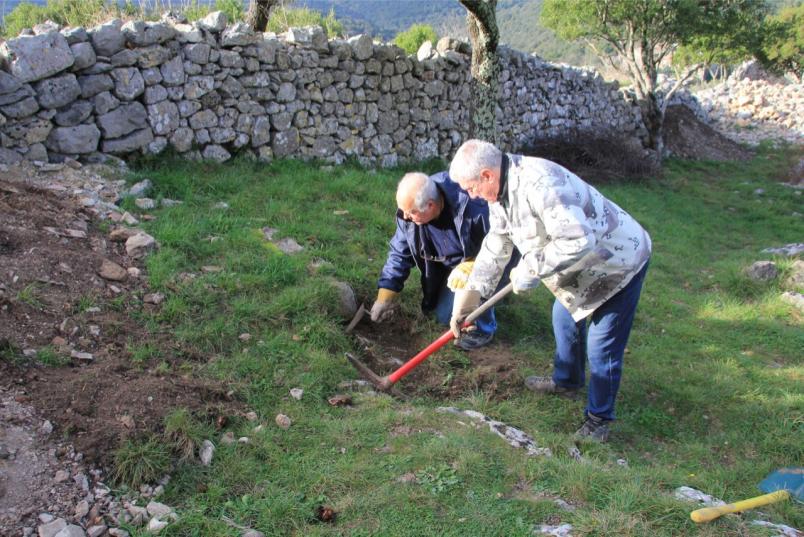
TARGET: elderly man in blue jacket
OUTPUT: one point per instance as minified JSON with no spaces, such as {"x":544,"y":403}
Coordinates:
{"x":439,"y":230}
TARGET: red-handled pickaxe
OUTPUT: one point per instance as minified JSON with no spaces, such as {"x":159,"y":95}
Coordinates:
{"x":384,"y":383}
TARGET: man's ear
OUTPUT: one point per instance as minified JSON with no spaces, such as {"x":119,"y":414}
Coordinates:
{"x":486,"y":174}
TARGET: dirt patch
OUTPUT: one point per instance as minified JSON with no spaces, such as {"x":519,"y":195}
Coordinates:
{"x":69,"y":339}
{"x":447,"y":374}
{"x":688,"y":137}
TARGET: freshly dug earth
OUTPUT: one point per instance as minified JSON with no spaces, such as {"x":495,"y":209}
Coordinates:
{"x":53,"y":301}
{"x":448,"y":373}
{"x":688,"y":137}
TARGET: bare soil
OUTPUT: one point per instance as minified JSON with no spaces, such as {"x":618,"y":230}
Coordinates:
{"x":448,"y":373}
{"x":688,"y":137}
{"x":53,"y":301}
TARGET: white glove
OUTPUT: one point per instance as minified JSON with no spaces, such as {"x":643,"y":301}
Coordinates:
{"x":523,"y":278}
{"x":466,"y":301}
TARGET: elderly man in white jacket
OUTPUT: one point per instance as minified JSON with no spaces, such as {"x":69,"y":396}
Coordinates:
{"x":591,"y":254}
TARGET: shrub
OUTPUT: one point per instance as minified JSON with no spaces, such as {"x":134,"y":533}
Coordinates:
{"x":63,"y":12}
{"x":282,"y":18}
{"x":232,"y":8}
{"x":596,"y":157}
{"x":413,"y":38}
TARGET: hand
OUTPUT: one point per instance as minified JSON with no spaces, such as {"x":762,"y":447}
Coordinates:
{"x":466,"y":301}
{"x":459,"y":275}
{"x":384,"y":306}
{"x":523,"y":278}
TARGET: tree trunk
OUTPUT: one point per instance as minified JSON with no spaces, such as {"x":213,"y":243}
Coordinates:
{"x":258,"y":12}
{"x":653,"y":118}
{"x":484,"y":37}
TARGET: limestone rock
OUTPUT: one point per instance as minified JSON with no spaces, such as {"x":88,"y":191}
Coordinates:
{"x":111,"y":271}
{"x":81,"y":139}
{"x":128,"y":83}
{"x":131,"y":142}
{"x":108,"y":38}
{"x":24,"y":58}
{"x":239,"y":34}
{"x":84,"y":55}
{"x":362,"y":46}
{"x":762,"y":271}
{"x":123,"y":120}
{"x":140,"y":245}
{"x":214,"y":22}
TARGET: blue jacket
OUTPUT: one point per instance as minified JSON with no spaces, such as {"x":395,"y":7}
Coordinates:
{"x":471,"y":219}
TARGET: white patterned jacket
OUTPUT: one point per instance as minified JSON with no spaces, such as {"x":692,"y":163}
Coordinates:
{"x":582,"y":246}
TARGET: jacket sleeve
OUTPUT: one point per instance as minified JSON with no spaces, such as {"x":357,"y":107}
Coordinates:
{"x":570,"y":237}
{"x":399,"y":262}
{"x":478,"y":228}
{"x":494,"y":254}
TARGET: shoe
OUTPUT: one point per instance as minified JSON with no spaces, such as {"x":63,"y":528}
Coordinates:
{"x":474,"y":340}
{"x":594,"y":428}
{"x":548,"y":385}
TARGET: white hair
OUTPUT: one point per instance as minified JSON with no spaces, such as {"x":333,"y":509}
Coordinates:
{"x":424,"y":189}
{"x":471,"y":158}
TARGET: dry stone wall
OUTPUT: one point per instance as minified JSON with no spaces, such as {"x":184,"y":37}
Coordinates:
{"x":210,"y":90}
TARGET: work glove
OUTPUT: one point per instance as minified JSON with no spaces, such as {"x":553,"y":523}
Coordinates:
{"x":459,"y":275}
{"x":523,"y":278}
{"x":384,"y":306}
{"x":466,"y":301}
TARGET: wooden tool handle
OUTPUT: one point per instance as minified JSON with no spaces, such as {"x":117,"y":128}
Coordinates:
{"x":499,"y":295}
{"x":707,"y":514}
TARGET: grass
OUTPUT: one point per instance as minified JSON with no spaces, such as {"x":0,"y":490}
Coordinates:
{"x":29,"y":295}
{"x":711,"y":396}
{"x":139,"y":462}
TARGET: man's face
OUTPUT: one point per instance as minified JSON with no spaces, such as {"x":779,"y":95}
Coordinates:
{"x":419,"y":218}
{"x":486,"y":187}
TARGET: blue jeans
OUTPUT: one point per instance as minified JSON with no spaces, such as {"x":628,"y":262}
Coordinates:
{"x":486,"y":323}
{"x":601,"y":338}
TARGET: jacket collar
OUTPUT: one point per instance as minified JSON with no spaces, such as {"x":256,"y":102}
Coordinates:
{"x":502,"y":195}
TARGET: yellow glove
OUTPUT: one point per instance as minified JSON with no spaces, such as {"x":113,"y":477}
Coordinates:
{"x":383,"y":308}
{"x":466,"y":301}
{"x":459,"y":275}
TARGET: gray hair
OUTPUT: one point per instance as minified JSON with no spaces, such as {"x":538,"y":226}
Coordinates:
{"x":472,"y":157}
{"x":425,"y":189}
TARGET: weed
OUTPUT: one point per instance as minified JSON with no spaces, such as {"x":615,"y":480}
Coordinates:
{"x":29,"y":295}
{"x":138,"y":462}
{"x":141,"y":353}
{"x":9,"y":353}
{"x":51,"y":357}
{"x":182,"y":433}
{"x":438,"y":479}
{"x":84,"y":303}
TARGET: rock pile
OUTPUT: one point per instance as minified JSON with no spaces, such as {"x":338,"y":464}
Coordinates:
{"x":753,"y":110}
{"x":209,"y":90}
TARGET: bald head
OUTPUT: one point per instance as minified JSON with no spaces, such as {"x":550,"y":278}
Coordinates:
{"x":418,"y":198}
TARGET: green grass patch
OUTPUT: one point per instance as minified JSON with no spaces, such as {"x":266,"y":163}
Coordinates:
{"x":711,"y":395}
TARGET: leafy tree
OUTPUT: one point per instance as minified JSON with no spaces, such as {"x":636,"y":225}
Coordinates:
{"x":783,"y":46}
{"x":485,"y":37}
{"x":636,"y":37}
{"x":415,"y":36}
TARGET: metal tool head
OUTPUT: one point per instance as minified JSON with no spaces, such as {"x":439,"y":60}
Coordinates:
{"x":790,"y":479}
{"x":361,"y":311}
{"x":381,"y":383}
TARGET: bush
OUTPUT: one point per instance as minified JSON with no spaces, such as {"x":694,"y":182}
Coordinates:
{"x":415,"y":36}
{"x":63,"y":12}
{"x":282,"y":18}
{"x":596,"y":157}
{"x":233,"y":9}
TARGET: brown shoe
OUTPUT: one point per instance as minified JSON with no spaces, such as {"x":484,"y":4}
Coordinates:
{"x":593,"y":428}
{"x":548,"y":385}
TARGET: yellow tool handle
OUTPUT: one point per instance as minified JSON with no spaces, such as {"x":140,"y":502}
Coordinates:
{"x":707,"y":514}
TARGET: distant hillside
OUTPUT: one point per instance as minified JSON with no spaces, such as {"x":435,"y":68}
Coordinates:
{"x":518,"y":21}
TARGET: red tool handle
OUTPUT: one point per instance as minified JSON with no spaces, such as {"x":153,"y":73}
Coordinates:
{"x":446,"y":337}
